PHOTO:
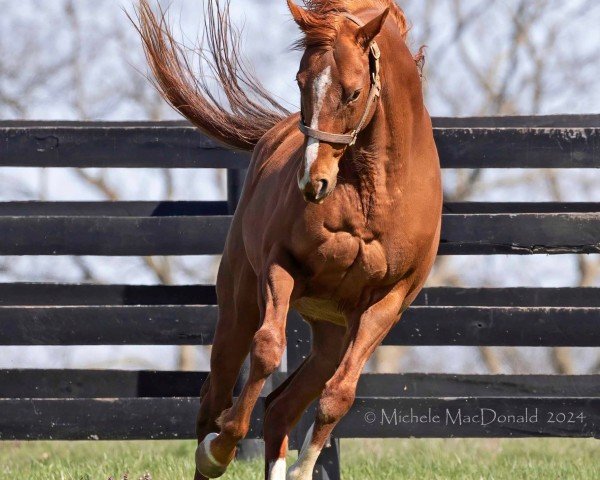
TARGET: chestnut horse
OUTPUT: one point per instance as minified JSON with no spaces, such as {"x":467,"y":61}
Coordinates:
{"x":339,"y":218}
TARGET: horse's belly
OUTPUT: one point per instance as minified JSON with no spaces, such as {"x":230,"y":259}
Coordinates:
{"x":320,"y":309}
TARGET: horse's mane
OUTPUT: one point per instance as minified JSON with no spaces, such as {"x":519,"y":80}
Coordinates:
{"x":325,"y":18}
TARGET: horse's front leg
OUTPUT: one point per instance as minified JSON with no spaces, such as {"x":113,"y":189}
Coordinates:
{"x":367,"y":332}
{"x":285,"y":406}
{"x":217,"y":451}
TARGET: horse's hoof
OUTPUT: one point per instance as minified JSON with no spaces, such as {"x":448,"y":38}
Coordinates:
{"x":206,"y":464}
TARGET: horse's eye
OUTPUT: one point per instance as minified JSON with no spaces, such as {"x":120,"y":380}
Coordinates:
{"x":354,"y":96}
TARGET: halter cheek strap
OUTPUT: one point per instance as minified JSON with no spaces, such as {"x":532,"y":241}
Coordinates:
{"x":374,"y":93}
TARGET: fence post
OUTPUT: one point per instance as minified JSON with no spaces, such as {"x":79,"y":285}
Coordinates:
{"x":298,"y":341}
{"x":235,"y":185}
{"x":247,"y":449}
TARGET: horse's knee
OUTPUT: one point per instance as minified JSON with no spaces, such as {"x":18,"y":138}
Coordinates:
{"x":335,"y":402}
{"x":267,"y":351}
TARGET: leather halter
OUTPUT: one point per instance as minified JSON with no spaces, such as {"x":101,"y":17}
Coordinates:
{"x":374,"y":93}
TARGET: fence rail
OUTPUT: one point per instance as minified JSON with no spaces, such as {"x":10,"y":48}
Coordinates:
{"x":105,"y":405}
{"x":463,"y":144}
{"x":56,"y":294}
{"x":195,"y":325}
{"x":132,"y":235}
{"x":174,"y":418}
{"x":108,"y":404}
{"x":70,"y":384}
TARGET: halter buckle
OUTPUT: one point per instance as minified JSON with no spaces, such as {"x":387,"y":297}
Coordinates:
{"x":354,"y":134}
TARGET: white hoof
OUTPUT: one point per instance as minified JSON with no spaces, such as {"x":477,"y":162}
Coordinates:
{"x":295,"y":472}
{"x":206,"y":463}
{"x":277,"y":469}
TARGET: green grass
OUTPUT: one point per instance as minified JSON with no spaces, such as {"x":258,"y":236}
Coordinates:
{"x":531,"y":459}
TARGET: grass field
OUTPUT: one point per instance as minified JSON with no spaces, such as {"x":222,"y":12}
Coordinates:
{"x":531,"y":459}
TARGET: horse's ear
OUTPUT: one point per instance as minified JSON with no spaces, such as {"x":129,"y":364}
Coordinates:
{"x":367,"y":33}
{"x":301,"y":16}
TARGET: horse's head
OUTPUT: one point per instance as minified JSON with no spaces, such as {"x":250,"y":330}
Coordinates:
{"x":339,"y":84}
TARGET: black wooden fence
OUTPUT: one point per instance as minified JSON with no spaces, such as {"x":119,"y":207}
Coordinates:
{"x":72,"y":404}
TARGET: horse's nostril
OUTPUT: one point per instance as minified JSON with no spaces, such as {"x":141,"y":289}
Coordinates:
{"x":323,"y":184}
{"x":316,"y":190}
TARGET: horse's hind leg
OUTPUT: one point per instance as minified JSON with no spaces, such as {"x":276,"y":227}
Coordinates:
{"x":366,"y":332}
{"x":238,"y":321}
{"x":285,"y":406}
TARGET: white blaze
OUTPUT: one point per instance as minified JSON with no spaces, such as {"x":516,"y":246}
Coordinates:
{"x":319,"y":92}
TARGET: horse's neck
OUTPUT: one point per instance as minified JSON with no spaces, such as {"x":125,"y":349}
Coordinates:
{"x":380,"y":162}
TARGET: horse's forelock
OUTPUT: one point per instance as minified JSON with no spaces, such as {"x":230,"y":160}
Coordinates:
{"x":326,"y":10}
{"x":323,"y":23}
{"x":320,"y":32}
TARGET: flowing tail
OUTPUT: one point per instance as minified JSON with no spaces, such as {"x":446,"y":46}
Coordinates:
{"x":249,"y":112}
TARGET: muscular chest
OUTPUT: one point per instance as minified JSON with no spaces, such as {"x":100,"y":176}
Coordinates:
{"x":345,"y":266}
{"x":343,"y":251}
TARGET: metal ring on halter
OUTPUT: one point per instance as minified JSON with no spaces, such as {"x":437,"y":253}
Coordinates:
{"x":374,"y":92}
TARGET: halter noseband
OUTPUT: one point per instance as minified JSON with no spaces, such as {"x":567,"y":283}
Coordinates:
{"x":374,"y":92}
